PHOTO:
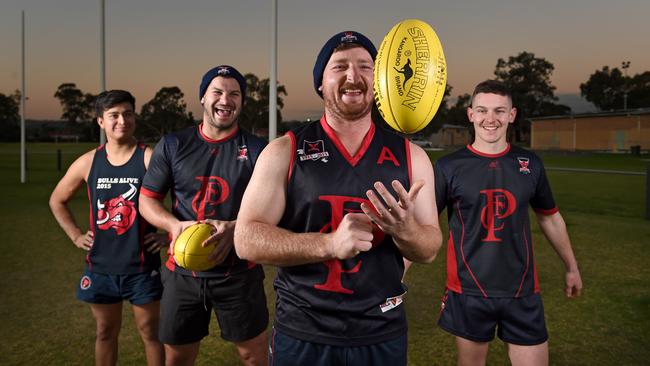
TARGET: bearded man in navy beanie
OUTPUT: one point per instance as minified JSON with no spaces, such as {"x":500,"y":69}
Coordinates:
{"x":337,"y":205}
{"x":207,"y":168}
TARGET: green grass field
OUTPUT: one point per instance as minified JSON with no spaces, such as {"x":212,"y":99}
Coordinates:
{"x":43,"y":323}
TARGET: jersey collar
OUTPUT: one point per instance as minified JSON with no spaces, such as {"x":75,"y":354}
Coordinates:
{"x":486,"y":155}
{"x":365,"y":144}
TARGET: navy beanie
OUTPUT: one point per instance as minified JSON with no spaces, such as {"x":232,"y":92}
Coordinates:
{"x":328,"y":49}
{"x":226,"y":71}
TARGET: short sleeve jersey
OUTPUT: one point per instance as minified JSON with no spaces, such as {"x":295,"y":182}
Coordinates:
{"x":341,"y":302}
{"x":118,"y":228}
{"x":207,"y":179}
{"x":490,"y":248}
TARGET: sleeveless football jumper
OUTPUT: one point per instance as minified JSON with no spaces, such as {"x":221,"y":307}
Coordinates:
{"x":351,"y":302}
{"x":118,"y":228}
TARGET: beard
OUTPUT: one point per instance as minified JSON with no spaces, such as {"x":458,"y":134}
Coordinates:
{"x":335,"y":104}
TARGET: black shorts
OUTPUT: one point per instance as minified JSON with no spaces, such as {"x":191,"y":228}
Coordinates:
{"x":101,"y":288}
{"x":289,"y":351}
{"x":518,"y":321}
{"x":238,"y":301}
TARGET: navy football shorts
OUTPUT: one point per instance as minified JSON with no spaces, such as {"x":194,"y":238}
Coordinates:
{"x":518,"y":321}
{"x":289,"y":351}
{"x":138,"y":288}
{"x":238,"y":301}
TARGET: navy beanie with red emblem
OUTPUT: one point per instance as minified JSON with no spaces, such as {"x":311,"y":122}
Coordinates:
{"x":225,"y":71}
{"x":328,"y":49}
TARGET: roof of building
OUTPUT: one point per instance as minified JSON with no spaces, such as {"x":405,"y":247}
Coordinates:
{"x":616,"y":113}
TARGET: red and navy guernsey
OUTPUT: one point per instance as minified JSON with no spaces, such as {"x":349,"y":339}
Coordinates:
{"x":207,"y":179}
{"x":349,"y":302}
{"x":118,"y":228}
{"x":490,"y":248}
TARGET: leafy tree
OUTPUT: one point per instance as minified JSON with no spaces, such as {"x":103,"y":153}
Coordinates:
{"x":255,"y":113}
{"x":529,"y":79}
{"x":639,"y":94}
{"x":606,"y":89}
{"x":457,"y":114}
{"x":10,"y":117}
{"x":77,"y":106}
{"x":165,"y":113}
{"x":441,"y":115}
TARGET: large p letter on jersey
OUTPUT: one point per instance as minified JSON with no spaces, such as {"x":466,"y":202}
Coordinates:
{"x":214,"y":190}
{"x":499,"y":204}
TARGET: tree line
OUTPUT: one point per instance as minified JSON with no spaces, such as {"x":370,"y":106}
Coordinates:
{"x":528,"y":76}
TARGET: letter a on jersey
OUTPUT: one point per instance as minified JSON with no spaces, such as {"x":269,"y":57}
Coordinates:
{"x":386,"y":154}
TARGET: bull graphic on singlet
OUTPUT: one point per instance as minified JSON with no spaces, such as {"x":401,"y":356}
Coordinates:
{"x":117,"y":213}
{"x":214,"y":191}
{"x":499,"y":204}
{"x":406,"y":70}
{"x":340,"y":205}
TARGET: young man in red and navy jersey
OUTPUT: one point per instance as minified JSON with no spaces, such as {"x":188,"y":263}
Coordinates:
{"x":487,"y":188}
{"x":206,"y":168}
{"x":123,"y":259}
{"x":319,"y":206}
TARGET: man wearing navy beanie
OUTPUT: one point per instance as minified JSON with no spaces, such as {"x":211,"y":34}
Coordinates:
{"x":337,"y":205}
{"x":207,"y":168}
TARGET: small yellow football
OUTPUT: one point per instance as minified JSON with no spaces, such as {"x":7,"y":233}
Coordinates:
{"x":188,"y":252}
{"x":410,"y":76}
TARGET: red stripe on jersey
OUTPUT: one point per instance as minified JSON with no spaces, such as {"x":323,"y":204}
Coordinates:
{"x":547,"y":212}
{"x":470,"y":148}
{"x":151,"y":194}
{"x":453,"y":283}
{"x":365,"y":144}
{"x":91,"y":217}
{"x":408,"y":161}
{"x":523,"y":277}
{"x":292,"y":159}
{"x":206,"y":138}
{"x":462,"y":240}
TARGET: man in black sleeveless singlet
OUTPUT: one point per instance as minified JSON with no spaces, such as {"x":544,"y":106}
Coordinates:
{"x":123,"y":259}
{"x":319,"y":207}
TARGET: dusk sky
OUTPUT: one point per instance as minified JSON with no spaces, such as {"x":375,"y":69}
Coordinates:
{"x":156,"y":43}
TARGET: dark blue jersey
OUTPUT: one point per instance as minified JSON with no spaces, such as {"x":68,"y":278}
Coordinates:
{"x":113,"y":192}
{"x":207,"y":179}
{"x":490,"y":248}
{"x":341,"y":302}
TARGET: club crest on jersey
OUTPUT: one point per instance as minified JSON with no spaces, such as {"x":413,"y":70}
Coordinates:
{"x":85,"y":283}
{"x":392,"y":302}
{"x":523,"y":165}
{"x":313,"y":150}
{"x":242,"y":155}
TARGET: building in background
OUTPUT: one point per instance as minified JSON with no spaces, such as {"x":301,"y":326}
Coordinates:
{"x":611,"y":131}
{"x":451,"y":136}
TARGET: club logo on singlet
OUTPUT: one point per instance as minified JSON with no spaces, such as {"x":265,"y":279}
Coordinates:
{"x":117,"y":213}
{"x":499,"y":204}
{"x":242,"y":153}
{"x":214,"y":191}
{"x":340,"y":205}
{"x":523,"y":165}
{"x":313,"y":150}
{"x":85,"y":283}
